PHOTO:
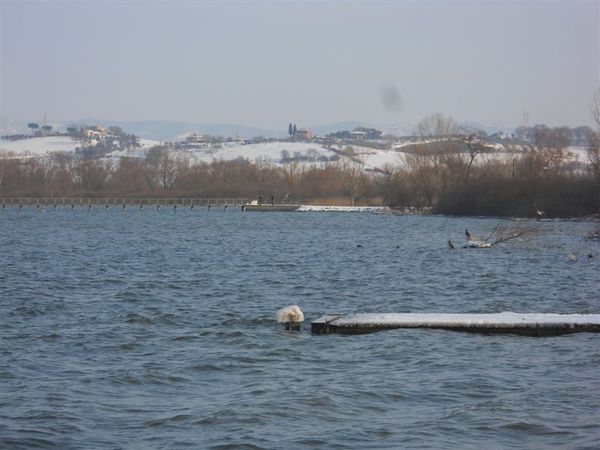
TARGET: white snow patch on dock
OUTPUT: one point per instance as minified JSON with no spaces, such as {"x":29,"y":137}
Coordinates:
{"x":491,"y":320}
{"x":317,"y":208}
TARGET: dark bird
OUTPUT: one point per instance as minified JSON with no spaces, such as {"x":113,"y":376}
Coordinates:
{"x":450,"y":245}
{"x":468,"y":235}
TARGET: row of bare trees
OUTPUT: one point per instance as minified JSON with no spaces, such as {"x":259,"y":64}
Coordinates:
{"x":463,"y":176}
{"x":163,"y":172}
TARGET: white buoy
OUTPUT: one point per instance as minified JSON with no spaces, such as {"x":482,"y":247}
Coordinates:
{"x":290,"y":316}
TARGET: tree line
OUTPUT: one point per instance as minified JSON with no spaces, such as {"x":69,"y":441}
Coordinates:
{"x":165,"y":173}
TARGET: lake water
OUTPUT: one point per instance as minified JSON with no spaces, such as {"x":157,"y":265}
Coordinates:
{"x":155,"y":329}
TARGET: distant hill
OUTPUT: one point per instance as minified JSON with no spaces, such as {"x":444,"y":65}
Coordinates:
{"x":322,"y":130}
{"x":159,"y":130}
{"x":170,"y":130}
{"x":489,"y":128}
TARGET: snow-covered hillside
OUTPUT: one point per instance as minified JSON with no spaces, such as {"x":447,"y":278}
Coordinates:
{"x":277,"y":153}
{"x":43,"y":146}
{"x":39,"y":146}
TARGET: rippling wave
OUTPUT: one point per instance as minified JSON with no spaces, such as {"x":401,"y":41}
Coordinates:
{"x":157,"y":330}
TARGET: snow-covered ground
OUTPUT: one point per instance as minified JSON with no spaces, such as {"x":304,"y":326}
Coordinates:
{"x":304,"y":153}
{"x":380,"y":159}
{"x":39,"y":146}
{"x":499,"y":319}
{"x":315,"y":208}
{"x":43,"y":146}
{"x":267,"y":152}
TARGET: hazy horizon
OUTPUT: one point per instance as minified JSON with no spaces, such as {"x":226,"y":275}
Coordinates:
{"x":264,"y":65}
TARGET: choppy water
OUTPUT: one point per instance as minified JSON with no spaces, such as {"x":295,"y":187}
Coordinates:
{"x":150,"y":329}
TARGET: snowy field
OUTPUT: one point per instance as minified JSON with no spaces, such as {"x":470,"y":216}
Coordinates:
{"x":44,"y":146}
{"x":275,"y":153}
{"x":40,"y":146}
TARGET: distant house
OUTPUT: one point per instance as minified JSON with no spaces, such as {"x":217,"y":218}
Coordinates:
{"x":359,"y":135}
{"x":195,"y":138}
{"x":304,"y":134}
{"x":96,"y":132}
{"x":91,"y":134}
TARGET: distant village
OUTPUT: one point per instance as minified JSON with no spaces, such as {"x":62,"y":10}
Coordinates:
{"x":99,"y":140}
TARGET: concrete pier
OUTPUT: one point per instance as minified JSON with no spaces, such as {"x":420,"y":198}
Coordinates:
{"x":513,"y":323}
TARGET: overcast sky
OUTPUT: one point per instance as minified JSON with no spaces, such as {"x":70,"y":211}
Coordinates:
{"x":266,"y":64}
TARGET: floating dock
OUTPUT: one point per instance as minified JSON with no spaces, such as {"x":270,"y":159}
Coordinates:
{"x":506,"y":322}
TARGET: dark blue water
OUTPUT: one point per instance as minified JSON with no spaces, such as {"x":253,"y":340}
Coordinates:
{"x":150,"y":329}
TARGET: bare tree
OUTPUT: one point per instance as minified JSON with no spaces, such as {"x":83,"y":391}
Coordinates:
{"x":475,"y":146}
{"x":91,"y":175}
{"x":33,"y":126}
{"x":437,"y":125}
{"x":595,"y":109}
{"x":353,"y":173}
{"x":501,"y":233}
{"x":161,"y":166}
{"x":593,"y":148}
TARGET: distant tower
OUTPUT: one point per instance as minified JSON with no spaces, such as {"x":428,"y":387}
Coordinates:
{"x":525,"y":118}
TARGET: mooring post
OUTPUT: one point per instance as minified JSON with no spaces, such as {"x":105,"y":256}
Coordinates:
{"x":292,"y":326}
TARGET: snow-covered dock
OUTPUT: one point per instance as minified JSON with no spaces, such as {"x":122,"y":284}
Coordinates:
{"x":506,"y":322}
{"x":317,"y":208}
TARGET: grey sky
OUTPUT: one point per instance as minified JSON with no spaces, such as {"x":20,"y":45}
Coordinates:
{"x":266,"y":64}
